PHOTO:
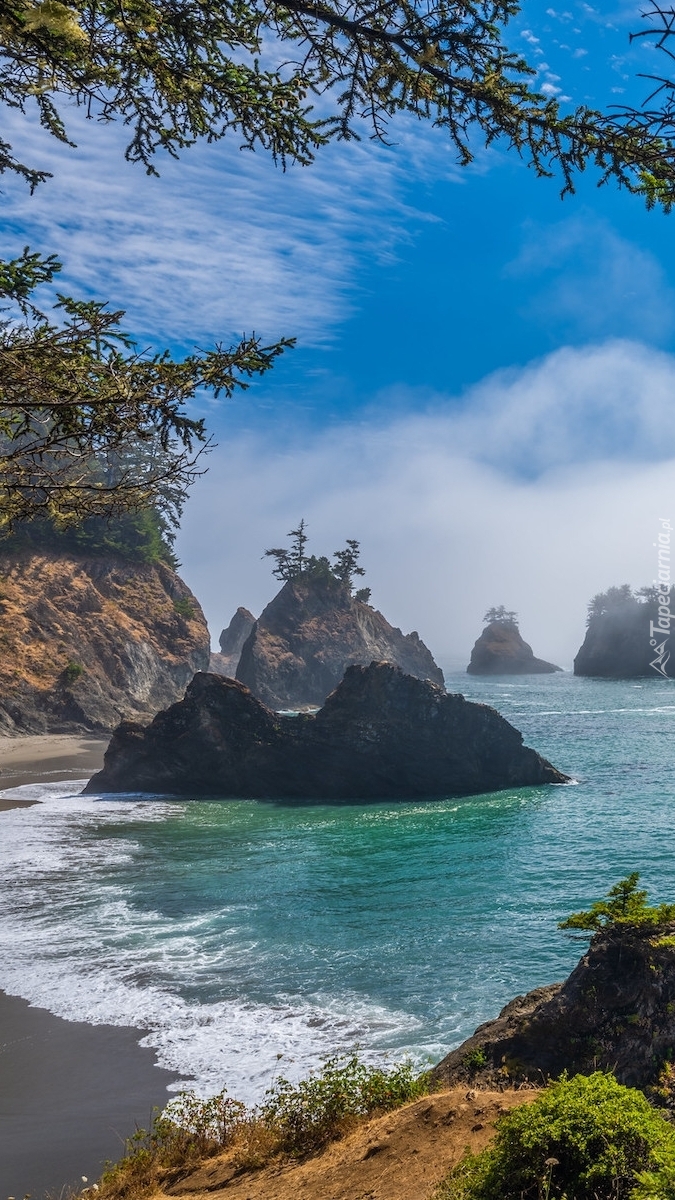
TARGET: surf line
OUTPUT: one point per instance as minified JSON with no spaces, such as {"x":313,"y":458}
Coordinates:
{"x":660,"y":629}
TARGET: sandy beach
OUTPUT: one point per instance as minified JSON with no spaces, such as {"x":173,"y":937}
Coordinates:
{"x":43,"y":758}
{"x":70,"y":1094}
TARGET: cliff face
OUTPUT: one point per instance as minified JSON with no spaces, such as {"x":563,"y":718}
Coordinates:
{"x":231,"y":643}
{"x":380,"y":735}
{"x":310,"y":633}
{"x":86,"y":642}
{"x":500,"y":650}
{"x":615,"y":1012}
{"x":617,"y":644}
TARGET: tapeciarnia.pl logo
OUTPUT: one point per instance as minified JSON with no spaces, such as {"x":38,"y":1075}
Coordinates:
{"x":659,"y":630}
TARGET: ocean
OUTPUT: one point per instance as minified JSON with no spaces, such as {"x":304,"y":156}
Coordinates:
{"x":250,"y":940}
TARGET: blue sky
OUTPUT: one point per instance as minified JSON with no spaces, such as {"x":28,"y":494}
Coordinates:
{"x":483,"y":389}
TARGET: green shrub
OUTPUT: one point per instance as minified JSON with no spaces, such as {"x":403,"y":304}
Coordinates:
{"x":307,"y":1114}
{"x":586,"y":1138}
{"x":184,"y":608}
{"x":73,"y":671}
{"x":141,"y":537}
{"x":475,"y":1060}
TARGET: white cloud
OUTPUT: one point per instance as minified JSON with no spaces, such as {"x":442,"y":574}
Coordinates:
{"x":445,"y":531}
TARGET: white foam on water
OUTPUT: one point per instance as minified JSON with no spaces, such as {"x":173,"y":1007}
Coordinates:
{"x":72,"y":943}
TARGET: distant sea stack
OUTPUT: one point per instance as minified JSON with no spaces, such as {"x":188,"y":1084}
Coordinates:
{"x":231,"y":642}
{"x":381,"y":735}
{"x":500,"y":650}
{"x":87,"y":641}
{"x":618,"y":642}
{"x":313,"y":629}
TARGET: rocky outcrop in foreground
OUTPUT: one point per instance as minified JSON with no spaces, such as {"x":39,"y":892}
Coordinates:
{"x":500,"y":650}
{"x":615,"y":1012}
{"x":231,"y":643}
{"x":89,"y":641}
{"x":313,"y":629}
{"x":380,"y":735}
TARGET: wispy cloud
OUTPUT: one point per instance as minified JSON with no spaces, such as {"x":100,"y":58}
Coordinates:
{"x":224,"y":241}
{"x":540,"y":489}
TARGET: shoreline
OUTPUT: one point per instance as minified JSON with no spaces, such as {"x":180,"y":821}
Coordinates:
{"x":70,"y":1094}
{"x":46,"y":758}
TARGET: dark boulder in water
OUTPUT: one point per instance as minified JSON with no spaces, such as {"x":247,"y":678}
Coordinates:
{"x":381,"y":735}
{"x":500,"y":650}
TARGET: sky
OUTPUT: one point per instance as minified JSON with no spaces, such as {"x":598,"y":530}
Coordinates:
{"x":483,"y":388}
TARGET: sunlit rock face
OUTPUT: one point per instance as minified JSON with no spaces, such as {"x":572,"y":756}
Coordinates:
{"x":303,"y":642}
{"x":88,"y":641}
{"x":380,"y":735}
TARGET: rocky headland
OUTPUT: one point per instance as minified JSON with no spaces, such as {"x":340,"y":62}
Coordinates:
{"x":307,"y":636}
{"x":231,"y":644}
{"x":500,"y":650}
{"x":615,"y":1012}
{"x":619,"y":642}
{"x":88,"y":641}
{"x":380,"y":735}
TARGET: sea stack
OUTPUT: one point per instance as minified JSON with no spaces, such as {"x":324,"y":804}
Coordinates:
{"x":500,"y":649}
{"x":381,"y":735}
{"x":619,"y":642}
{"x":307,"y":636}
{"x":231,"y":642}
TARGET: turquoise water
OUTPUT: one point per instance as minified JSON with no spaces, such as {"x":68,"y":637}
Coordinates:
{"x":237,"y":932}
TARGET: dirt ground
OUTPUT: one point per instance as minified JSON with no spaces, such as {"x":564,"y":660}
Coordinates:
{"x":400,"y":1156}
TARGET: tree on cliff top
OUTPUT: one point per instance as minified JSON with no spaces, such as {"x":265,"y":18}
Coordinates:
{"x":295,"y":564}
{"x":501,"y":616}
{"x":625,"y":906}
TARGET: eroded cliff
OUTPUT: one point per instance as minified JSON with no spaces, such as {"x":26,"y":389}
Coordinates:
{"x":500,"y":650}
{"x":87,"y":642}
{"x":307,"y":636}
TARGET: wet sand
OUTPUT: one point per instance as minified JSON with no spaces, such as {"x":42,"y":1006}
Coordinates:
{"x":45,"y":758}
{"x":70,"y":1094}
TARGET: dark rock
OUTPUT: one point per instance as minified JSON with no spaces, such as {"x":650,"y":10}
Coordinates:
{"x":617,"y":644}
{"x":500,"y":650}
{"x":380,"y":735}
{"x":615,"y":1012}
{"x":231,"y":642}
{"x":310,"y":633}
{"x":89,"y":641}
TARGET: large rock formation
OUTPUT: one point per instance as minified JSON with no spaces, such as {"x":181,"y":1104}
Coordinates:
{"x":500,"y":650}
{"x":380,"y":735}
{"x":231,"y":642}
{"x":615,"y":1012}
{"x":619,"y":642}
{"x":88,"y":641}
{"x":310,"y":633}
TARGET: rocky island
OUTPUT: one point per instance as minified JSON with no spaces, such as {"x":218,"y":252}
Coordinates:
{"x":316,"y":626}
{"x":380,"y":735}
{"x":618,"y":642}
{"x":500,"y":649}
